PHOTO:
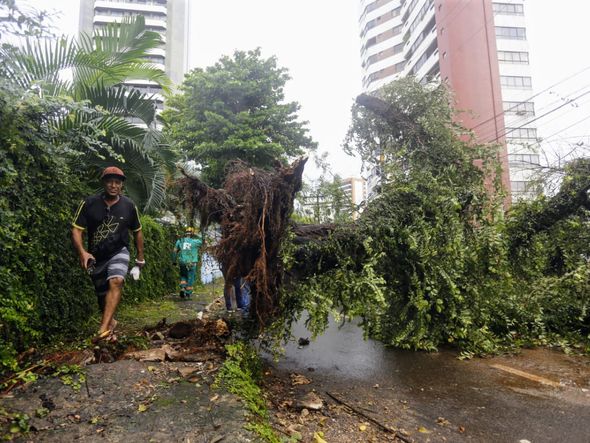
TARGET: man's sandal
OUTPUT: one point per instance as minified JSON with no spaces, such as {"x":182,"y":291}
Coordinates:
{"x":106,"y":336}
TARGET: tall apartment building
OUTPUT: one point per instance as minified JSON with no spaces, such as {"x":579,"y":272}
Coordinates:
{"x":479,"y":48}
{"x":355,"y":189}
{"x":169,"y":18}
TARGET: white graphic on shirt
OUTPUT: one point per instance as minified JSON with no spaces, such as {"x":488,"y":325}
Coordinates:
{"x":106,"y":228}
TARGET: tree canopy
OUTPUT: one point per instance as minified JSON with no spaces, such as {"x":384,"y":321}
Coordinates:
{"x":235,"y":109}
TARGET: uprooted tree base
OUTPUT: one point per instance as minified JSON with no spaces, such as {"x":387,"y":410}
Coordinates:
{"x":253,"y":210}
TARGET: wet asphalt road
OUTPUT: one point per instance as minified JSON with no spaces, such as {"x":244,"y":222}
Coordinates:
{"x":537,"y":396}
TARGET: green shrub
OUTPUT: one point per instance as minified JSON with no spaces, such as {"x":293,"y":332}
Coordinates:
{"x":39,"y":294}
{"x":43,"y":291}
{"x":159,"y":276}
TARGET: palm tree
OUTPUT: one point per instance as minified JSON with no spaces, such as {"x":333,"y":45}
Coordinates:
{"x":90,"y":72}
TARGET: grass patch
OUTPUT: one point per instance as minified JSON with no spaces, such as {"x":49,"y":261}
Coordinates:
{"x":133,"y":317}
{"x":240,"y":374}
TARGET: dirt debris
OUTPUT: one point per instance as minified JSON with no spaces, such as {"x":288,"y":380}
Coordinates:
{"x":160,"y":394}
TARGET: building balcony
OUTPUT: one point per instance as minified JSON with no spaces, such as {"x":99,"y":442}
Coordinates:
{"x":426,"y":65}
{"x":139,"y":83}
{"x":135,"y":7}
{"x":412,"y":54}
{"x":100,"y":19}
{"x":159,"y":23}
{"x":157,"y":51}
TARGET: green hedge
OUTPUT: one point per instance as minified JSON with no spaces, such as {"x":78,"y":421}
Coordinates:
{"x":159,"y":276}
{"x":43,"y":291}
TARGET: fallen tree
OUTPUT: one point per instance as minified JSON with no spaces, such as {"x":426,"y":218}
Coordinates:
{"x":429,"y":261}
{"x":253,"y":210}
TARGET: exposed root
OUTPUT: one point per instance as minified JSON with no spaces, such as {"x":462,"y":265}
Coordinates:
{"x":253,"y":211}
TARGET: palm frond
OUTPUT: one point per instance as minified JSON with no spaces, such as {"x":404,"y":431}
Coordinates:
{"x":122,"y":101}
{"x":41,"y":62}
{"x":121,"y":47}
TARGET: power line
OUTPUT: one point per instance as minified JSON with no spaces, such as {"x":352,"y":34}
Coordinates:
{"x":566,"y":128}
{"x":563,"y":102}
{"x":531,"y":97}
{"x":490,"y":135}
{"x":506,"y":132}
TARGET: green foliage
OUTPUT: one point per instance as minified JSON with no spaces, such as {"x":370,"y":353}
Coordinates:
{"x":323,"y":202}
{"x":37,"y":194}
{"x":159,"y":276}
{"x":20,"y":424}
{"x":349,"y":289}
{"x":234,"y":110}
{"x":430,"y":262}
{"x":406,"y":266}
{"x":240,"y":374}
{"x":71,"y":375}
{"x":43,"y":291}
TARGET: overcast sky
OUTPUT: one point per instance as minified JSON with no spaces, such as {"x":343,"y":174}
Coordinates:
{"x":317,"y":40}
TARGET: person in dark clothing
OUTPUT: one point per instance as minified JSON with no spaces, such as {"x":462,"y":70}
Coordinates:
{"x":107,"y":219}
{"x":241,"y":290}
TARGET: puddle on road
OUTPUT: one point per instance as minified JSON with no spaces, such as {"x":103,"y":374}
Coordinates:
{"x":492,"y":404}
{"x":342,"y":352}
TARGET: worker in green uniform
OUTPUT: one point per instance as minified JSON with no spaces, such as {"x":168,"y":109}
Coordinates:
{"x":186,"y":253}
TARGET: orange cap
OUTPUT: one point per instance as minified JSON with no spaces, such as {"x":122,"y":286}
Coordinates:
{"x":113,"y":171}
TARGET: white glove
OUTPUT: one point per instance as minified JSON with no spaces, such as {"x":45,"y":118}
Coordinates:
{"x":135,"y":271}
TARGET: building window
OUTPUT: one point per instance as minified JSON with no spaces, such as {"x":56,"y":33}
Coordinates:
{"x":524,"y":109}
{"x":524,"y":186}
{"x":372,"y":6}
{"x":511,"y":81}
{"x":508,"y":9}
{"x":381,"y":55}
{"x":521,"y":133}
{"x":513,"y":57}
{"x":422,"y":60}
{"x":385,"y":72}
{"x":530,"y":159}
{"x":380,"y":20}
{"x":510,"y":33}
{"x":420,"y":16}
{"x":383,"y":36}
{"x":409,"y":9}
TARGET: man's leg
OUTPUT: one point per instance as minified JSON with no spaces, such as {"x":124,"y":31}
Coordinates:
{"x":242,"y":294}
{"x":227,"y":290}
{"x":183,"y":280}
{"x":112,"y":299}
{"x":116,"y":270}
{"x":190,"y":279}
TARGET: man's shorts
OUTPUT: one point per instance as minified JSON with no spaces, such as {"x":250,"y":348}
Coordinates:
{"x":116,"y":266}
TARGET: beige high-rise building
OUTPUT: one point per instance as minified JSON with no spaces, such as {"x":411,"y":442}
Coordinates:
{"x":355,"y":188}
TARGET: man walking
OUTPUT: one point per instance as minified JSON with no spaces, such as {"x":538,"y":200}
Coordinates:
{"x":107,"y":219}
{"x":186,"y":252}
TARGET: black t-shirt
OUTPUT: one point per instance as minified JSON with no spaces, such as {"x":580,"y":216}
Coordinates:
{"x":108,"y":227}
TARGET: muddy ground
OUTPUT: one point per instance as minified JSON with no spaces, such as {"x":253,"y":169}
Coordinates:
{"x":129,"y":394}
{"x":130,"y":401}
{"x":337,"y":389}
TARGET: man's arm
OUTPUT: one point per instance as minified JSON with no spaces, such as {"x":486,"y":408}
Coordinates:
{"x":139,"y":246}
{"x":79,"y":246}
